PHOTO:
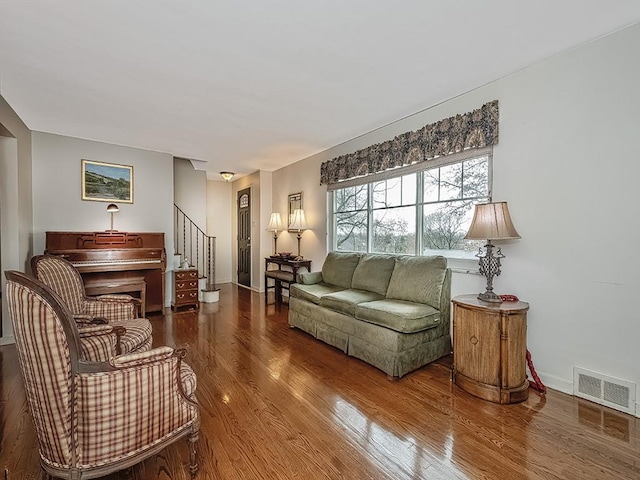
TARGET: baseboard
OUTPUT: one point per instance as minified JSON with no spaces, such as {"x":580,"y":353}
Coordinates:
{"x":557,"y":383}
{"x":253,"y":289}
{"x":8,"y":340}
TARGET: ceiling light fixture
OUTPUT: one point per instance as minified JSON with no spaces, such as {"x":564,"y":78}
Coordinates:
{"x":227,"y":176}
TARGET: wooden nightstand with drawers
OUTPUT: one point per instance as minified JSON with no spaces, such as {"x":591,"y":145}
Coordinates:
{"x":185,"y":288}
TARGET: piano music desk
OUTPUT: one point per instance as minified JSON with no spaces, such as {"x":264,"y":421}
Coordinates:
{"x":119,"y":285}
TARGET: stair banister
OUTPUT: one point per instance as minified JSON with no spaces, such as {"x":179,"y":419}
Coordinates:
{"x":193,"y":237}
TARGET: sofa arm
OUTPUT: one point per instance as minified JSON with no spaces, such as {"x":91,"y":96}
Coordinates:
{"x":118,"y":298}
{"x":445,"y":303}
{"x":88,"y":320}
{"x":309,"y":278}
{"x":135,"y":407}
{"x":98,"y":343}
{"x":110,"y":308}
{"x":142,"y":358}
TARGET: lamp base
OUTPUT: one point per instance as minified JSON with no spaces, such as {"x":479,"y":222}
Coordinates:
{"x":489,"y":297}
{"x":489,"y":267}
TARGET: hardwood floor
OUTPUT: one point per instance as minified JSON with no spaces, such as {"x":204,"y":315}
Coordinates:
{"x":278,"y":404}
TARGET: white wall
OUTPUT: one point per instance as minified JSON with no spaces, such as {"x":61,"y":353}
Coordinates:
{"x":303,"y":176}
{"x":57,"y":202}
{"x":16,"y":209}
{"x":568,"y":164}
{"x":190,"y":195}
{"x":266,"y":238}
{"x":190,"y":191}
{"x":220,"y":205}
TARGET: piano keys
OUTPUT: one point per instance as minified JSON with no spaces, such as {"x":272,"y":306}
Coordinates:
{"x":115,"y":256}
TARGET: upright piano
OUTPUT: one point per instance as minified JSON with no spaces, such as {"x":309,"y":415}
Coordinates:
{"x":116,"y":256}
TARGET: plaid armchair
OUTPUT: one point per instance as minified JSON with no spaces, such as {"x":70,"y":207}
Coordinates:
{"x":128,"y":334}
{"x":92,"y":419}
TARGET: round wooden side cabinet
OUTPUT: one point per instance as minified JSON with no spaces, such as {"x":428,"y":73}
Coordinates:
{"x":490,"y":348}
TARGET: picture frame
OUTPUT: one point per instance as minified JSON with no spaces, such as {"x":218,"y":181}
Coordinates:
{"x":107,"y":182}
{"x":295,"y":202}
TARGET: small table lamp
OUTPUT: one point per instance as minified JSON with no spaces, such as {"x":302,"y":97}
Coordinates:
{"x":299,"y":223}
{"x":112,"y":208}
{"x":275,"y":226}
{"x":491,"y":221}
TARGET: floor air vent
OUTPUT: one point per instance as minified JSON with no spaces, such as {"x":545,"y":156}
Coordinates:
{"x":608,"y":391}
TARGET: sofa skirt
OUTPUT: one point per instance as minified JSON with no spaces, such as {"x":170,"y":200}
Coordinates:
{"x":395,"y":353}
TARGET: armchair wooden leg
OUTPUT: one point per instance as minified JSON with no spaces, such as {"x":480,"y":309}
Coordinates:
{"x":193,"y":453}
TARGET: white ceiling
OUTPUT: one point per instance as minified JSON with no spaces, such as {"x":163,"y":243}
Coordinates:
{"x":243,"y":85}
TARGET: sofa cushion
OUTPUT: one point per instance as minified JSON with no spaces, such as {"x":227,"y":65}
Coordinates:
{"x":338,"y":268}
{"x":373,"y":273}
{"x":312,"y":293}
{"x":398,"y":315}
{"x":345,"y":301}
{"x":418,"y":279}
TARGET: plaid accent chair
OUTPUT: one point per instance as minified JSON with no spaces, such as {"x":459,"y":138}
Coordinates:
{"x":92,"y":419}
{"x":134,"y":334}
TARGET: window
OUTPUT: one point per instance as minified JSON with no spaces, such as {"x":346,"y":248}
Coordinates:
{"x":425,"y":211}
{"x":394,"y":215}
{"x":350,"y":218}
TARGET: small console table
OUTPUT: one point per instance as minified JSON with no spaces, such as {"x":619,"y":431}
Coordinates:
{"x":282,"y":278}
{"x":490,"y":348}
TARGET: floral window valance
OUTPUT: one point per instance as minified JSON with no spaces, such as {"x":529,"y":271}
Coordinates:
{"x":475,"y":129}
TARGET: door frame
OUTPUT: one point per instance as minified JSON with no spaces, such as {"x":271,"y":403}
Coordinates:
{"x":248,"y":190}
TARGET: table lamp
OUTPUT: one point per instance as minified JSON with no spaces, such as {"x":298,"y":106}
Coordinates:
{"x":112,"y":208}
{"x":491,"y":221}
{"x":275,"y":226}
{"x":299,"y":223}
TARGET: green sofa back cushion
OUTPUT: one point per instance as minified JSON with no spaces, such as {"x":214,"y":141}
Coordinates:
{"x":373,"y":273}
{"x":338,"y":268}
{"x":418,"y":279}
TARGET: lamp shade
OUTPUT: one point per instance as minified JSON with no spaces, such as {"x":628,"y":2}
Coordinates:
{"x":112,"y":207}
{"x":275,"y":223}
{"x":491,"y":221}
{"x":299,"y":221}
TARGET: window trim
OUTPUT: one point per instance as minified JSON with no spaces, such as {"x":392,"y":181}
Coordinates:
{"x":462,"y":265}
{"x":418,"y":167}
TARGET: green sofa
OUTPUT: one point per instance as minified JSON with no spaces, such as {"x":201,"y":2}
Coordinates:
{"x":392,"y":311}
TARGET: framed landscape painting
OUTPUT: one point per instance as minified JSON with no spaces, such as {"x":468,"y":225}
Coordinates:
{"x":107,"y":182}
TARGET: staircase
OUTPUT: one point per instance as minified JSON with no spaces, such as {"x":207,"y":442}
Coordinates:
{"x":199,"y":249}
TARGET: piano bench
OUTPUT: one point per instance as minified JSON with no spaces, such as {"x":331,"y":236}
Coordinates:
{"x":119,"y":285}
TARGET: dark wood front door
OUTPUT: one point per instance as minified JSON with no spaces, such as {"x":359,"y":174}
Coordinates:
{"x":244,"y":237}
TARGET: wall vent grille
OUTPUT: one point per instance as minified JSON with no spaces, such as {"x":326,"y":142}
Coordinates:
{"x":608,"y":391}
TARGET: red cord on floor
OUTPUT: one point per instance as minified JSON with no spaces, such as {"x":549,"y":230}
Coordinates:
{"x":536,"y":383}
